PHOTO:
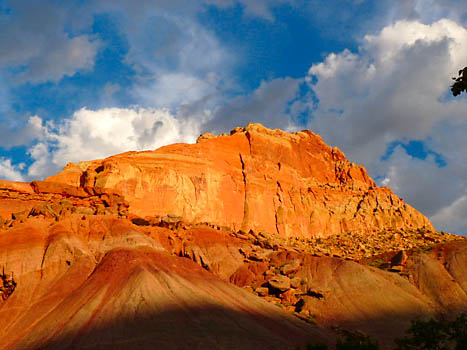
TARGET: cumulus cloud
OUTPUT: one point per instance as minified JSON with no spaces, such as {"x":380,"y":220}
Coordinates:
{"x":452,"y":218}
{"x":181,"y":64}
{"x":391,"y":89}
{"x":10,"y":172}
{"x":173,"y":90}
{"x":35,"y":46}
{"x":395,"y":89}
{"x":439,"y":191}
{"x":268,"y":104}
{"x":88,"y":135}
{"x":422,"y":181}
{"x":16,"y":133}
{"x":176,"y":60}
{"x":92,"y":134}
{"x":427,"y":11}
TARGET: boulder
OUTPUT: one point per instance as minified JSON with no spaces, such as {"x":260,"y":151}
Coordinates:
{"x":83,"y":210}
{"x":290,"y":267}
{"x":171,"y":219}
{"x":204,"y":137}
{"x":262,"y":291}
{"x":289,"y":297}
{"x":280,"y":283}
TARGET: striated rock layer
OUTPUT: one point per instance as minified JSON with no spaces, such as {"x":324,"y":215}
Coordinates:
{"x":291,"y":184}
{"x":92,"y":281}
{"x":190,"y":246}
{"x":99,"y":282}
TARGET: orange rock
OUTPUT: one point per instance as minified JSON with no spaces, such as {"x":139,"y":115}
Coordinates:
{"x":242,"y":277}
{"x":56,"y":188}
{"x":100,"y":253}
{"x":271,"y":181}
{"x":289,"y":297}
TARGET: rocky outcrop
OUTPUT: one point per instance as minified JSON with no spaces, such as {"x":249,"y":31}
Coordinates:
{"x":18,"y":201}
{"x":289,"y":184}
{"x":194,"y":246}
{"x":104,"y":280}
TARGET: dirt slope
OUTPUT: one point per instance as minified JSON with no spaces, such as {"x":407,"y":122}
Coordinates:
{"x":100,"y":283}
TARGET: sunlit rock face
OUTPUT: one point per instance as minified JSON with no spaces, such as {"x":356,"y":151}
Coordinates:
{"x":290,"y":184}
{"x":193,"y":246}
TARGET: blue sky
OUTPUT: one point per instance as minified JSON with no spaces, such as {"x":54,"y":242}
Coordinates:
{"x":83,"y":79}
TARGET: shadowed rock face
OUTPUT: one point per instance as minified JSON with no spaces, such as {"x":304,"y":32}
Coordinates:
{"x":291,"y":184}
{"x":81,"y":270}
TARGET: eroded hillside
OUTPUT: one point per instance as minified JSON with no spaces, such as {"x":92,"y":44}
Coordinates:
{"x":258,"y":240}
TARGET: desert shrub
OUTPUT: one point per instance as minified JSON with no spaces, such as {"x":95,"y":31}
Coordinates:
{"x":458,"y":332}
{"x":435,"y":335}
{"x":351,"y":341}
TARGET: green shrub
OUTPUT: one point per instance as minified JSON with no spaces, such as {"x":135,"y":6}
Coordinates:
{"x":435,"y":335}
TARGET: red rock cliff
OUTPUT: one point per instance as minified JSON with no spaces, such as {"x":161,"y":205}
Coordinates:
{"x":292,"y":184}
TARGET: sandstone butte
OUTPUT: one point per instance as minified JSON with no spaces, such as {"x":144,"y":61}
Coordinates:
{"x":196,"y":246}
{"x":291,"y":184}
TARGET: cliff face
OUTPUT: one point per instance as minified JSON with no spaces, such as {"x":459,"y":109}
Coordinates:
{"x":291,"y":184}
{"x":189,"y":246}
{"x":78,"y":272}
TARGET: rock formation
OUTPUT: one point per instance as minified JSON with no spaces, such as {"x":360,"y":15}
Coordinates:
{"x":290,"y":184}
{"x":258,"y":240}
{"x":98,"y":281}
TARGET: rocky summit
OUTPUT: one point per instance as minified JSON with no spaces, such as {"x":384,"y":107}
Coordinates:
{"x":260,"y":239}
{"x":290,"y":184}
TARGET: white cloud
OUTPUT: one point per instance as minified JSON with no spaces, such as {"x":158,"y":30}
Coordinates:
{"x":396,"y":88}
{"x":33,"y":42}
{"x":452,"y":217}
{"x":175,"y":89}
{"x":73,"y":55}
{"x":178,"y":62}
{"x":92,"y":134}
{"x":10,"y":172}
{"x":267,"y":105}
{"x":427,"y":11}
{"x":421,"y":181}
{"x":97,"y":134}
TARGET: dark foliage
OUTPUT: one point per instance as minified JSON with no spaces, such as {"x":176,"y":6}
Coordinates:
{"x":351,"y":341}
{"x":356,"y":342}
{"x":460,"y":84}
{"x":435,"y":335}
